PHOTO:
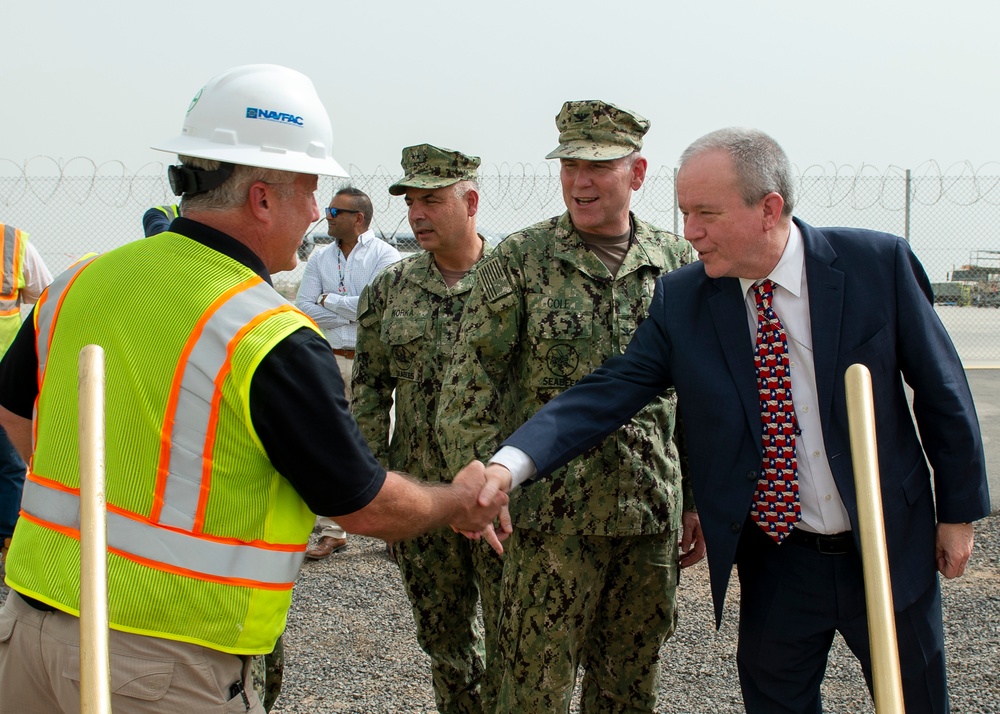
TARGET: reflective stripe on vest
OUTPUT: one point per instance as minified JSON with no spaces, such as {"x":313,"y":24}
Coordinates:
{"x":172,"y":535}
{"x":130,"y":536}
{"x":44,"y":319}
{"x":11,"y":282}
{"x":11,"y":265}
{"x":191,"y":416}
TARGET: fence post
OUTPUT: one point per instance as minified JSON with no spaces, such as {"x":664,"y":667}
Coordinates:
{"x":906,"y":210}
{"x":676,"y":208}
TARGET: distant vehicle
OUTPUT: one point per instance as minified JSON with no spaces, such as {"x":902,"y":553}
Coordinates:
{"x":953,"y":293}
{"x":983,"y":272}
{"x":403,"y":242}
{"x":309,"y":243}
{"x":981,"y":299}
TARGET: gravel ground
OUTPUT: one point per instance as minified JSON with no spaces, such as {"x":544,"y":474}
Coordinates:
{"x":350,"y":646}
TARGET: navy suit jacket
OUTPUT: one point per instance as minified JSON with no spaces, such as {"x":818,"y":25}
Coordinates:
{"x":870,"y":303}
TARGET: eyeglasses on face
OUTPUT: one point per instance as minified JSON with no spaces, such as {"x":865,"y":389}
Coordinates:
{"x":334,"y":212}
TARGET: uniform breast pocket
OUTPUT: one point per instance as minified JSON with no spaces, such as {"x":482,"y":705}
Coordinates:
{"x":405,"y":339}
{"x":627,"y":325}
{"x":633,"y":309}
{"x":561,"y":343}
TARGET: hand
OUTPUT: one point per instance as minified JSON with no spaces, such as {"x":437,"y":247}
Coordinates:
{"x":491,"y":533}
{"x":476,"y":514}
{"x":497,"y":483}
{"x":953,"y":548}
{"x":496,"y":534}
{"x":498,"y":480}
{"x":6,"y":547}
{"x":498,"y":477}
{"x":692,"y":545}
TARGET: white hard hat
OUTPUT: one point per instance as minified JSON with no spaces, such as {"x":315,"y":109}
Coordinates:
{"x":260,"y":115}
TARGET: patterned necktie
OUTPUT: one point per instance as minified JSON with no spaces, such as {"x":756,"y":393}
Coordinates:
{"x":776,"y":506}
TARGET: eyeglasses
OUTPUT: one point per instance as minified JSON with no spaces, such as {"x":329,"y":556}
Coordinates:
{"x":334,"y":212}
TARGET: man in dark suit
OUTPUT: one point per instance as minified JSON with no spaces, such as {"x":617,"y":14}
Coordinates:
{"x":772,"y":476}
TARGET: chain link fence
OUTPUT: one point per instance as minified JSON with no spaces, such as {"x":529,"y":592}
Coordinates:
{"x":74,"y":207}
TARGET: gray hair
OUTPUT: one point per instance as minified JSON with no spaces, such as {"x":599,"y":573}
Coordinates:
{"x":759,"y":161}
{"x":464,"y":186}
{"x":234,"y":190}
{"x":359,"y":202}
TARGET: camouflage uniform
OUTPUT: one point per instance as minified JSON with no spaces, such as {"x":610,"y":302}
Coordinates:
{"x":591,"y":570}
{"x":408,"y":323}
{"x":266,"y":674}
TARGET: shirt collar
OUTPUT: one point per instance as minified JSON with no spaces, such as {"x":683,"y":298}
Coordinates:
{"x":788,"y":272}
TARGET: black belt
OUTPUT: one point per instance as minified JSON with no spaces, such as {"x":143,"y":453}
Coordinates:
{"x":832,"y":544}
{"x":36,"y":604}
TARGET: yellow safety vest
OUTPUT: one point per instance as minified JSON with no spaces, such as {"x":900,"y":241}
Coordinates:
{"x":205,"y":538}
{"x":171,"y":211}
{"x":12,"y":281}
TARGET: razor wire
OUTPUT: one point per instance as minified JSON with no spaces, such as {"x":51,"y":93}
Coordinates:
{"x":75,"y":206}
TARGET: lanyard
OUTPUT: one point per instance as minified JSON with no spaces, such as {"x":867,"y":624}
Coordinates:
{"x":341,"y":289}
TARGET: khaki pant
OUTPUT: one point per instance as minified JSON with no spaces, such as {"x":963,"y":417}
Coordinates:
{"x":40,"y":669}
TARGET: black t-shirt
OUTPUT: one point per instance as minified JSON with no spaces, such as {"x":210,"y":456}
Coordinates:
{"x":297,"y":403}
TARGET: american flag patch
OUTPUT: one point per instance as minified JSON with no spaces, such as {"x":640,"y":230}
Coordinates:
{"x":493,"y":278}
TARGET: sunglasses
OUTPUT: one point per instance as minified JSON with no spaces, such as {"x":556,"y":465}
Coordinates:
{"x":334,"y":212}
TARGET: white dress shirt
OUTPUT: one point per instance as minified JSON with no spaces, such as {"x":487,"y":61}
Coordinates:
{"x":341,"y":280}
{"x":822,"y":508}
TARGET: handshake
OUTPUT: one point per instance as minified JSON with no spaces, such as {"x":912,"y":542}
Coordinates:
{"x":482,"y":513}
{"x":474,"y":504}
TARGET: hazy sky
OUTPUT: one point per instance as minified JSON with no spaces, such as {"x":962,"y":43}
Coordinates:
{"x":876,"y":82}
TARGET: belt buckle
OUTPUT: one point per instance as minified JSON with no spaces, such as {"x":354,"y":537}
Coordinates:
{"x":828,"y":546}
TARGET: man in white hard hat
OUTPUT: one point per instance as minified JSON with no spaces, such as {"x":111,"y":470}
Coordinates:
{"x":215,"y":385}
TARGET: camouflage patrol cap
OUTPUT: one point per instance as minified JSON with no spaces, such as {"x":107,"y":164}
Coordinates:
{"x":593,"y":130}
{"x":426,"y":166}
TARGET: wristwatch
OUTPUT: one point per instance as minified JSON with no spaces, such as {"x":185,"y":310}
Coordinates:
{"x":321,"y":299}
